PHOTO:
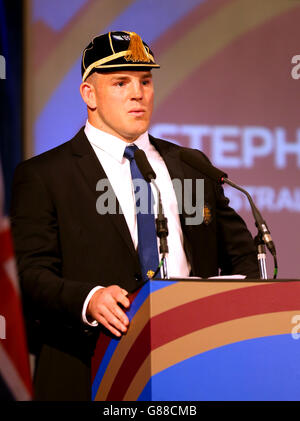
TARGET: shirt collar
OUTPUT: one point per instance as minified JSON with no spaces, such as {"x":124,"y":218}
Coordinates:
{"x":113,"y":145}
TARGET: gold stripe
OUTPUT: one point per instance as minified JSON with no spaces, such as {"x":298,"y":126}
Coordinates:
{"x":101,"y":61}
{"x":98,"y":63}
{"x":129,"y":64}
{"x":205,"y":340}
{"x":221,"y":29}
{"x":162,"y":300}
{"x":111,"y":45}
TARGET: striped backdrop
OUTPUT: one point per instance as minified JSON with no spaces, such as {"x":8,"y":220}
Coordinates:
{"x":226,"y":74}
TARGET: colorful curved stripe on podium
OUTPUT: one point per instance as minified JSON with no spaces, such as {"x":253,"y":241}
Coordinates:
{"x":110,"y":350}
{"x":247,"y":315}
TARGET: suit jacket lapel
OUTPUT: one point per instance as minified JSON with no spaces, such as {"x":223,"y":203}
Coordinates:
{"x":93,"y":171}
{"x":170,"y":154}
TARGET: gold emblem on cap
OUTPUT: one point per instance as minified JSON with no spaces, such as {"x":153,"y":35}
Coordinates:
{"x":150,"y":274}
{"x":207,"y":216}
{"x":136,"y":50}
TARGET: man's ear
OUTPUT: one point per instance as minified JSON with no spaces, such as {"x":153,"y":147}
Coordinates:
{"x":87,"y":92}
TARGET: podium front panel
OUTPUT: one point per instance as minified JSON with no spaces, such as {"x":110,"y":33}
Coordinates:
{"x":206,"y":340}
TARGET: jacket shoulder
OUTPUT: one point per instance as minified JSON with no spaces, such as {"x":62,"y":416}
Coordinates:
{"x":167,"y":146}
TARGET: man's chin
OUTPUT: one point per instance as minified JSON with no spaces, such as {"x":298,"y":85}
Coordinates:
{"x":132,"y":137}
{"x":136,"y":133}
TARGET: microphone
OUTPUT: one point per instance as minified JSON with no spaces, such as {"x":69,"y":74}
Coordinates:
{"x":197,"y":161}
{"x":144,"y":165}
{"x":259,"y":221}
{"x":161,"y":221}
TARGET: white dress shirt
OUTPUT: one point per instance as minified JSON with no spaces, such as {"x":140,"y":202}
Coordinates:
{"x":110,"y":152}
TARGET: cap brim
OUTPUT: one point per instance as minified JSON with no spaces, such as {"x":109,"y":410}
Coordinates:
{"x":114,"y":67}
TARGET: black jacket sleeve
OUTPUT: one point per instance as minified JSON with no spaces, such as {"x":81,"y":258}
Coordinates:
{"x":36,"y":236}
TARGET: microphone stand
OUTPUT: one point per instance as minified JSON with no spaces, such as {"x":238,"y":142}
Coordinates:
{"x":261,"y":255}
{"x":263,"y":236}
{"x":162,"y":233}
{"x":161,"y":221}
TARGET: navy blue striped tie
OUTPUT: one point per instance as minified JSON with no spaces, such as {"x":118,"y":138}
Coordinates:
{"x":147,"y":241}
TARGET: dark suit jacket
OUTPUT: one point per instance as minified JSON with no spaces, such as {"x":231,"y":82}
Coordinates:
{"x":64,"y":248}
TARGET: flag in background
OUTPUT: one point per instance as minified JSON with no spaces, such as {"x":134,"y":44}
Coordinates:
{"x":15,"y":379}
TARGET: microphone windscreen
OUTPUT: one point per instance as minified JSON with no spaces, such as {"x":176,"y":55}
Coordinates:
{"x":195,"y":160}
{"x":144,"y":165}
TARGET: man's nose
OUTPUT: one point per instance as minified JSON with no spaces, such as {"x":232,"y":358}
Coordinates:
{"x":137,"y":90}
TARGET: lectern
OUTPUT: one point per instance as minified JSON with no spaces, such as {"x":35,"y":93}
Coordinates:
{"x":204,"y":340}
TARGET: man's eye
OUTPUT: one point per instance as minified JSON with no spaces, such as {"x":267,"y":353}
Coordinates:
{"x":119,"y":83}
{"x":145,"y":82}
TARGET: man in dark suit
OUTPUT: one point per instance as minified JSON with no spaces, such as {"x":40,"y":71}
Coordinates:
{"x":77,"y":265}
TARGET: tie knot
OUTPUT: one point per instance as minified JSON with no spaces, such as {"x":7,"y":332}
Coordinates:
{"x":129,"y":152}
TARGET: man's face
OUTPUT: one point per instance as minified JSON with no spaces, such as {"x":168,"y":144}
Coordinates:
{"x":124,"y":103}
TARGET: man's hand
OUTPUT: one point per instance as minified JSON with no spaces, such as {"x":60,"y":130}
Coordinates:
{"x":104,"y":307}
